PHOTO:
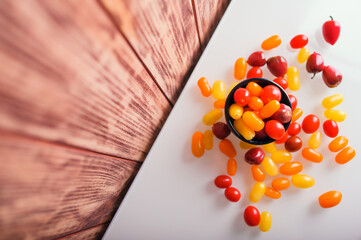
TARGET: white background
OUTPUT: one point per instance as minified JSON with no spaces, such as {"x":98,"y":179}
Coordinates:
{"x":173,"y":195}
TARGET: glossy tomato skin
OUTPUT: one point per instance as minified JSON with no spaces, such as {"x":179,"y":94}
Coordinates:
{"x":331,"y":31}
{"x":331,"y":76}
{"x":269,"y":93}
{"x":274,"y":129}
{"x":282,"y":82}
{"x":310,"y":123}
{"x":257,"y":59}
{"x":254,"y":156}
{"x":293,"y":101}
{"x":299,"y":41}
{"x":223,"y":181}
{"x":293,"y":144}
{"x":242,"y":96}
{"x":283,"y":139}
{"x":232,"y":194}
{"x":255,"y":72}
{"x":294,"y":129}
{"x":283,"y":114}
{"x":251,"y":216}
{"x":277,"y":66}
{"x":314,"y":63}
{"x":330,"y":128}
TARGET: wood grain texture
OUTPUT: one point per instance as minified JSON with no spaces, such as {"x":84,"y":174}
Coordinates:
{"x":96,"y":232}
{"x":69,"y":76}
{"x":164,"y":35}
{"x":50,"y":191}
{"x":209,"y":13}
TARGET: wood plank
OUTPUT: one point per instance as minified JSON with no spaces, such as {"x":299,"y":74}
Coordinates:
{"x":209,"y":13}
{"x":96,"y":232}
{"x":48,"y":191}
{"x":69,"y":76}
{"x":164,"y":35}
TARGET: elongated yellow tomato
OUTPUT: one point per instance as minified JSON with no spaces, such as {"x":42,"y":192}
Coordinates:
{"x":281,"y":156}
{"x":257,"y":192}
{"x":219,"y":90}
{"x":302,"y":181}
{"x":332,"y":101}
{"x":269,"y":166}
{"x":293,"y":78}
{"x":211,"y":117}
{"x":265,"y":222}
{"x":303,"y":55}
{"x":240,"y":68}
{"x":270,"y":147}
{"x":252,"y":121}
{"x":208,"y":140}
{"x":242,"y":128}
{"x":315,"y":140}
{"x":197,"y":144}
{"x":235,"y":111}
{"x":335,"y":115}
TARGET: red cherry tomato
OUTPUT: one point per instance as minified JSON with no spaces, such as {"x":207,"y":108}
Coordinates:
{"x":299,"y":41}
{"x":283,"y":139}
{"x":293,"y":100}
{"x":256,"y":59}
{"x":310,"y":123}
{"x":274,"y":129}
{"x":255,"y":72}
{"x":331,"y":31}
{"x":223,"y":181}
{"x":251,"y":216}
{"x":282,"y":82}
{"x":232,"y":194}
{"x":330,"y":128}
{"x":294,"y":129}
{"x":269,"y":93}
{"x":242,"y":96}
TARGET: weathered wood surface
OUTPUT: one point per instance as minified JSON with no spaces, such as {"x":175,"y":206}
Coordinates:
{"x":209,"y":13}
{"x":51,"y":191}
{"x":68,"y":76}
{"x":164,"y":35}
{"x":96,"y":232}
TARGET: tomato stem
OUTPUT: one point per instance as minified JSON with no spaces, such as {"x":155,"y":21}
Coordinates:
{"x":313,"y":75}
{"x":331,"y":18}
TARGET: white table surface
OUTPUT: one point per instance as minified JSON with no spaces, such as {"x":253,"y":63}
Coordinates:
{"x":173,"y":195}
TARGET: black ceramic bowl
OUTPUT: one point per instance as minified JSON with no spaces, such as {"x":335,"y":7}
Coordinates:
{"x":230,"y":100}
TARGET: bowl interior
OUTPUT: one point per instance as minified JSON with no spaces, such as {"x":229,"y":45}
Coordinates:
{"x":230,"y":100}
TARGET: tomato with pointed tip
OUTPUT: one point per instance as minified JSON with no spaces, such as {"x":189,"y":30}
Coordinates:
{"x":314,"y":63}
{"x":331,"y":31}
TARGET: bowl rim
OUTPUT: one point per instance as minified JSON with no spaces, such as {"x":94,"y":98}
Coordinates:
{"x":230,"y":100}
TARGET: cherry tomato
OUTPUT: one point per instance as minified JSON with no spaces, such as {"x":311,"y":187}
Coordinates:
{"x":269,"y":93}
{"x":331,"y":31}
{"x":251,"y":216}
{"x":274,"y":129}
{"x":221,"y":130}
{"x":293,"y":144}
{"x":282,"y":82}
{"x":242,"y":96}
{"x":330,"y":128}
{"x":254,"y":89}
{"x":232,"y":194}
{"x":299,"y":41}
{"x":283,"y":139}
{"x":310,"y":123}
{"x":294,"y":129}
{"x":293,"y":100}
{"x":256,"y":59}
{"x":223,"y":181}
{"x":255,"y":72}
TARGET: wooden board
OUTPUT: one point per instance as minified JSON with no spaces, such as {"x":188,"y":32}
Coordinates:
{"x":92,"y":233}
{"x":208,"y":13}
{"x":68,"y":76}
{"x":163,"y":34}
{"x":51,"y":191}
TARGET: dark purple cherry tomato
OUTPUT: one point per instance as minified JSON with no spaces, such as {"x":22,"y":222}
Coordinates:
{"x":310,"y":123}
{"x":260,"y":135}
{"x":314,"y":63}
{"x":223,"y":181}
{"x":293,"y":144}
{"x":232,"y":194}
{"x":277,"y":66}
{"x":254,"y":156}
{"x":221,"y":130}
{"x":257,"y":59}
{"x":251,"y":216}
{"x":331,"y":76}
{"x":330,"y":128}
{"x":299,"y":41}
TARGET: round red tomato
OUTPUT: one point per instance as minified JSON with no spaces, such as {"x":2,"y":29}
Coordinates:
{"x":283,"y":139}
{"x":299,"y":41}
{"x":232,"y":194}
{"x":274,"y":129}
{"x":251,"y":216}
{"x":269,"y":93}
{"x":255,"y":72}
{"x":294,"y":129}
{"x":293,"y":100}
{"x":282,"y":82}
{"x":223,"y":181}
{"x":310,"y":123}
{"x":242,"y":96}
{"x":330,"y":128}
